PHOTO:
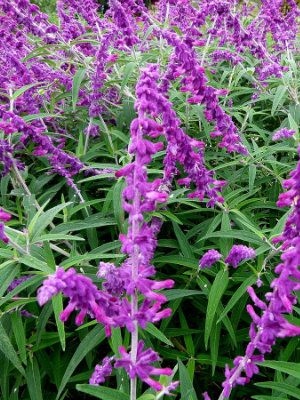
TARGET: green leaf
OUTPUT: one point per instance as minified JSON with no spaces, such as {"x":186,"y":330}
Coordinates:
{"x":7,"y":275}
{"x":158,"y":334}
{"x":178,"y":260}
{"x":8,"y":350}
{"x":91,"y":340}
{"x":56,"y":236}
{"x":184,"y":245}
{"x":282,"y":366}
{"x":188,"y":340}
{"x":293,"y":123}
{"x":33,"y":380}
{"x":42,"y":321}
{"x":186,"y":387}
{"x":237,"y":295}
{"x":19,"y":333}
{"x":174,"y":294}
{"x":214,"y":342}
{"x":78,"y":77}
{"x":215,"y":294}
{"x":42,"y":219}
{"x":57,"y":303}
{"x":280,"y":92}
{"x":147,"y":396}
{"x":280,"y":224}
{"x":23,"y":89}
{"x":31,"y":281}
{"x":129,"y":68}
{"x":32,"y":117}
{"x":117,"y":204}
{"x":90,"y":222}
{"x":102,"y":392}
{"x":225,"y":244}
{"x":281,"y":387}
{"x":261,"y":397}
{"x":252,"y":175}
{"x":236,"y":234}
{"x":35,"y":263}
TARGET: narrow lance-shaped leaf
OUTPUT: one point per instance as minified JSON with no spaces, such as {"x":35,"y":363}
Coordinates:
{"x":19,"y":333}
{"x":33,"y":380}
{"x":92,"y":339}
{"x":57,"y":304}
{"x":8,"y":350}
{"x":102,"y":392}
{"x":215,"y":294}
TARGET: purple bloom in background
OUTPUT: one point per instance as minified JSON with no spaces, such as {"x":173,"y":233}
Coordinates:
{"x":15,"y":283}
{"x":239,"y":253}
{"x":209,"y":258}
{"x":283,"y":133}
{"x":5,"y":217}
{"x":18,"y":281}
{"x":102,"y":371}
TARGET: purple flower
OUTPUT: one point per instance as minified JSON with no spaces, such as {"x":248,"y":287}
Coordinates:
{"x":102,"y":371}
{"x":209,"y":258}
{"x":142,"y":367}
{"x":283,"y":133}
{"x":82,"y":293}
{"x":239,"y":253}
{"x":4,"y":216}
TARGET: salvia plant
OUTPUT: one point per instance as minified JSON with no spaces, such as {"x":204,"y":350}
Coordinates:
{"x":150,"y":199}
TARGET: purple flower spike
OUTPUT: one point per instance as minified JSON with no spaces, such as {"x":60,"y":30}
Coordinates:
{"x":239,"y":253}
{"x":209,"y":258}
{"x":283,"y":133}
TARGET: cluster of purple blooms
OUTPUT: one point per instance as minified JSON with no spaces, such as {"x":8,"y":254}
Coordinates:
{"x":110,"y":306}
{"x":184,"y":64}
{"x":236,"y":255}
{"x":283,"y":133}
{"x":22,"y":21}
{"x":229,"y":26}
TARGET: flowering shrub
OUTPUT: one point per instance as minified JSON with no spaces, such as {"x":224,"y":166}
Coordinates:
{"x":149,"y":196}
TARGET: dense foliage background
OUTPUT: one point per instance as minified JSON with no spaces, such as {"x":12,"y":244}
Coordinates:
{"x":43,"y":358}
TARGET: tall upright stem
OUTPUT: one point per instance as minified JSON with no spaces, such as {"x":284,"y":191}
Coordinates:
{"x":135,"y":225}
